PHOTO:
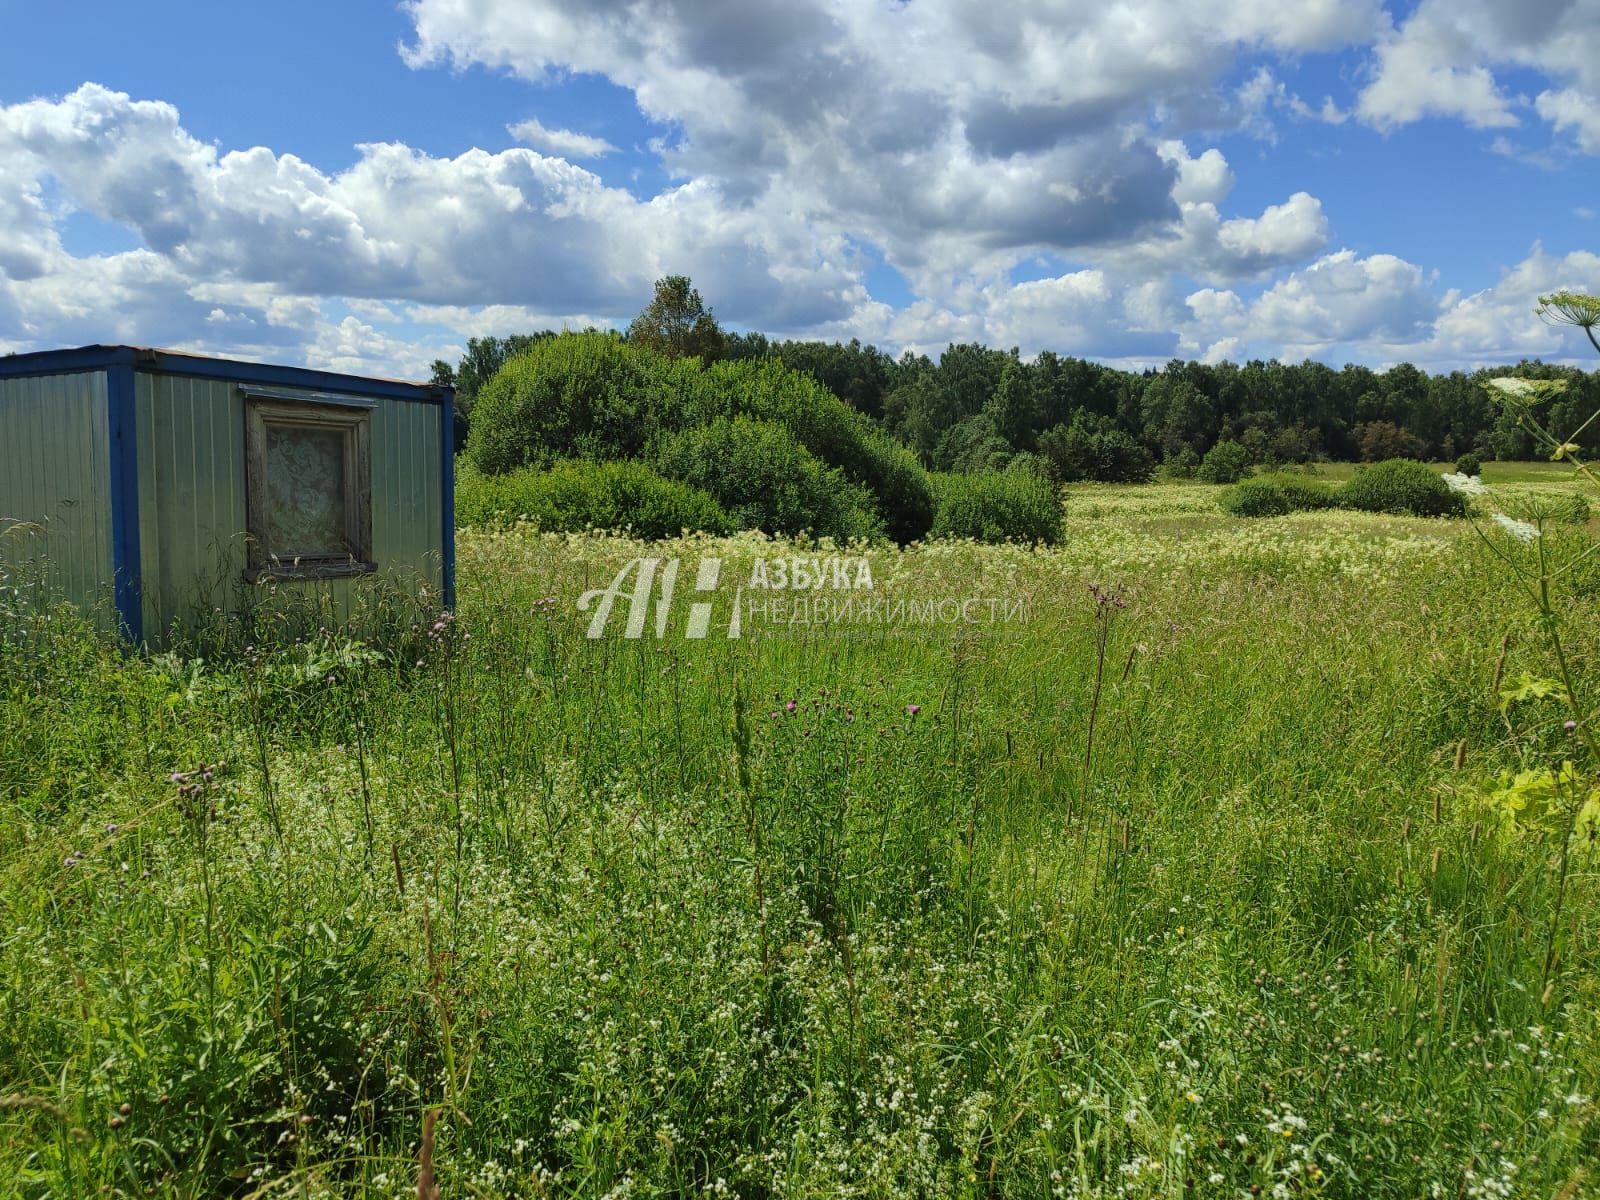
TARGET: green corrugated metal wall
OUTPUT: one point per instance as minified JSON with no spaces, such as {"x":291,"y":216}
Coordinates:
{"x":55,"y":474}
{"x":192,"y":500}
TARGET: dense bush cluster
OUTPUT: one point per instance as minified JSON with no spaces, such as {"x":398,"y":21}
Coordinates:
{"x":827,"y":427}
{"x":1403,"y":486}
{"x":579,"y":395}
{"x":767,"y":480}
{"x":1400,"y":486}
{"x":1277,"y":495}
{"x":747,"y":443}
{"x":1226,"y":462}
{"x":998,"y":506}
{"x":576,"y":495}
{"x":1094,"y":448}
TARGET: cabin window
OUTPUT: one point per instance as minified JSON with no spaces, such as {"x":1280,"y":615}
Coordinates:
{"x":309,"y":494}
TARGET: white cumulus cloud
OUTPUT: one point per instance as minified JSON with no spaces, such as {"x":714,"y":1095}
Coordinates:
{"x":562,"y":142}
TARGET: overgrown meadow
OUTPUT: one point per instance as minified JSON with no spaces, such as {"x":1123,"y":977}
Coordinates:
{"x":1183,"y":886}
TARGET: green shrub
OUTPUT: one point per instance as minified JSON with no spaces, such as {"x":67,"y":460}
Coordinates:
{"x":573,"y":496}
{"x":1092,"y":447}
{"x":826,"y":426}
{"x":1304,"y":492}
{"x":1226,"y":462}
{"x":1403,"y":486}
{"x":765,"y":479}
{"x":998,"y":506}
{"x":1181,"y":465}
{"x":1469,"y":464}
{"x":1028,"y":463}
{"x":1276,"y":495}
{"x":594,"y":396}
{"x":971,"y":446}
{"x":577,"y":395}
{"x":1254,"y":498}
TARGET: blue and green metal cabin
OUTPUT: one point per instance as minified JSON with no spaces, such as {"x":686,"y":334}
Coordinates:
{"x":145,"y":484}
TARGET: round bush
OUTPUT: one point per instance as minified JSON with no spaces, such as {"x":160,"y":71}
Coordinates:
{"x":1402,"y":486}
{"x":577,"y":395}
{"x":1276,"y":495}
{"x":764,"y":479}
{"x":1226,"y":462}
{"x":825,"y":425}
{"x":1254,"y":498}
{"x":1468,"y":464}
{"x":573,"y":496}
{"x":998,"y":506}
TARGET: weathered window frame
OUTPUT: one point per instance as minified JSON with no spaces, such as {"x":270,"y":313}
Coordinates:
{"x":265,"y":408}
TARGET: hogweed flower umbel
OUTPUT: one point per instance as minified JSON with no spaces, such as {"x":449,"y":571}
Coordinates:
{"x":1521,"y":530}
{"x":1466,"y":485}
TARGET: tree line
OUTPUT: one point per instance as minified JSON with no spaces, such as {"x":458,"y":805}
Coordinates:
{"x":977,"y":408}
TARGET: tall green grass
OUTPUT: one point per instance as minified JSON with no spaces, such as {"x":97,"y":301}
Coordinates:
{"x":807,"y":915}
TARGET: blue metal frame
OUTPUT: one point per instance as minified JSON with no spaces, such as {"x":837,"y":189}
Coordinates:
{"x":122,"y":429}
{"x":198,"y":366}
{"x":256,"y":391}
{"x":66,"y":362}
{"x":168,"y":362}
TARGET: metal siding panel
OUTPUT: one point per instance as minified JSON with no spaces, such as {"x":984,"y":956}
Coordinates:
{"x":56,"y":449}
{"x":25,"y":500}
{"x":405,"y":487}
{"x":196,"y":472}
{"x":52,"y":447}
{"x":99,"y":470}
{"x":57,"y":446}
{"x":202,"y":499}
{"x":446,"y":522}
{"x":173,"y":546}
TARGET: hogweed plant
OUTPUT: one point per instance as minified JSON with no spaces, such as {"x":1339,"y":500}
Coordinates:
{"x":1550,"y":797}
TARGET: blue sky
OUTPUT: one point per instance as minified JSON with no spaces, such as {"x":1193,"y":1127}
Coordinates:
{"x":366,"y":185}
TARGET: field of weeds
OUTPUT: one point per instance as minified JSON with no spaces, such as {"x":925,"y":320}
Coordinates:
{"x":1180,"y":862}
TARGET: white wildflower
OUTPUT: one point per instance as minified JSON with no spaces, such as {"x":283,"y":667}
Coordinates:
{"x":1467,"y":485}
{"x":1520,"y":530}
{"x":1512,"y":386}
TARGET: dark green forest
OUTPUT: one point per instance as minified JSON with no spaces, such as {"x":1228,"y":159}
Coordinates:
{"x":977,"y":408}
